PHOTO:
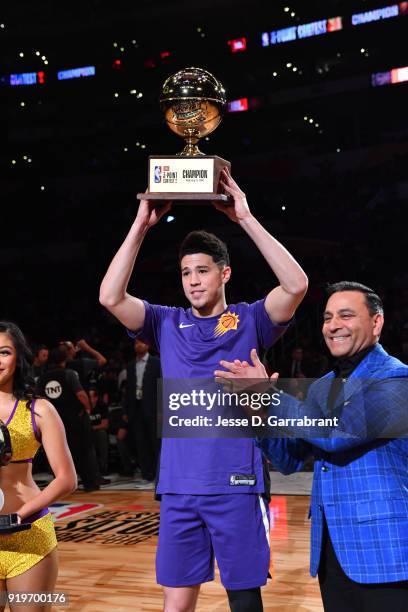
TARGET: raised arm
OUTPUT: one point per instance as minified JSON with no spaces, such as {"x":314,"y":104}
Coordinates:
{"x":283,"y":300}
{"x":84,"y":346}
{"x":113,"y":292}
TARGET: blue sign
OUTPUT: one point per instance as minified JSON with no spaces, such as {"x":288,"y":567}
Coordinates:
{"x":312,"y":29}
{"x":305,"y":30}
{"x":284,"y":35}
{"x":76,"y":73}
{"x":375,"y":15}
{"x":25,"y":78}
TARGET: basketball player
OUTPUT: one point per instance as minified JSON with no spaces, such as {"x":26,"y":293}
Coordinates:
{"x":202,"y":514}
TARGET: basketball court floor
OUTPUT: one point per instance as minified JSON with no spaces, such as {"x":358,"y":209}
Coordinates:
{"x":107,"y":542}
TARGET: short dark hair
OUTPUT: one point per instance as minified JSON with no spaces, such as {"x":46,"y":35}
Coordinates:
{"x":37,"y":348}
{"x":372,"y":300}
{"x":22,"y":382}
{"x":204,"y":242}
{"x":58,"y":355}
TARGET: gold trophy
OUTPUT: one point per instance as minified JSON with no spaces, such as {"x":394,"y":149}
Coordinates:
{"x":193,"y":102}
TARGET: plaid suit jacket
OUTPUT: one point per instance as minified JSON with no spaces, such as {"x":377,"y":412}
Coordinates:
{"x":360,"y":478}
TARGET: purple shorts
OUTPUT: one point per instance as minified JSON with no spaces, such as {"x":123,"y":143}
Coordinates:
{"x":194,"y":529}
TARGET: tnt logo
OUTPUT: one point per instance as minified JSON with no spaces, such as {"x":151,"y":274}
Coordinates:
{"x":53,"y":389}
{"x":157,"y":174}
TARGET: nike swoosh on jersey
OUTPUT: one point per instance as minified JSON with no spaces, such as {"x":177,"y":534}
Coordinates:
{"x":184,"y":325}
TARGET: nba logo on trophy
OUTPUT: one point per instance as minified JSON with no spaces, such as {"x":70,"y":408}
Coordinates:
{"x":157,"y":174}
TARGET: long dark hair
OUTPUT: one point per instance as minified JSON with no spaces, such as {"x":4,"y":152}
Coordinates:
{"x":23,"y":383}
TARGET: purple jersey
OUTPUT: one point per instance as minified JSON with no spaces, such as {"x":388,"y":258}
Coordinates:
{"x":192,"y":347}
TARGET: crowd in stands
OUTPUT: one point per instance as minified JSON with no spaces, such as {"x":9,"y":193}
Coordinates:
{"x":108,"y":407}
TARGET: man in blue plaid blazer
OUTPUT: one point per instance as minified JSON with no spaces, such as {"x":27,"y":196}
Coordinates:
{"x":359,"y":501}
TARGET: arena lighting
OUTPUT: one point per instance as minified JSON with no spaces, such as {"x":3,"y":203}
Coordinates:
{"x":305,"y":30}
{"x":399,"y":75}
{"x":386,"y":12}
{"x":27,"y":78}
{"x":76,"y":73}
{"x":238,"y":44}
{"x":237,"y":106}
{"x":391,"y":77}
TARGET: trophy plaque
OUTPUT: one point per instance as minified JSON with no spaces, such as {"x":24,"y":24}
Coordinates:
{"x":193,"y":102}
{"x":9,"y":523}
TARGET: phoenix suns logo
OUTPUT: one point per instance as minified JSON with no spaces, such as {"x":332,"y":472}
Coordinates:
{"x":228,"y":320}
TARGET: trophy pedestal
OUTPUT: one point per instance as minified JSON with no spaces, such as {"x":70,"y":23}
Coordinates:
{"x":9,"y":524}
{"x":197,"y":198}
{"x":185,"y":178}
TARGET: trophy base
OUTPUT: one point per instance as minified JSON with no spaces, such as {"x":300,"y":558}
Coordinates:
{"x":197,"y":198}
{"x":179,"y":178}
{"x":9,"y":524}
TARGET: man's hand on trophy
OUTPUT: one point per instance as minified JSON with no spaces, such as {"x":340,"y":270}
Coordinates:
{"x":151,"y":211}
{"x":238,"y":210}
